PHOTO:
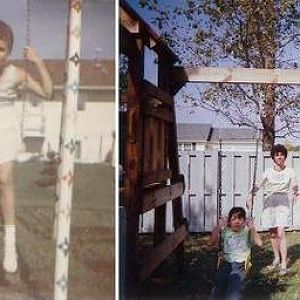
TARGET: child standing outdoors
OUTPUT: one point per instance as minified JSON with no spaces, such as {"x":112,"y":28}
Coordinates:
{"x":278,"y":182}
{"x":12,"y":79}
{"x":236,"y":236}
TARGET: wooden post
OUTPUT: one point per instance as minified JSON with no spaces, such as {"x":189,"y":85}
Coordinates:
{"x":133,"y":162}
{"x":66,"y":176}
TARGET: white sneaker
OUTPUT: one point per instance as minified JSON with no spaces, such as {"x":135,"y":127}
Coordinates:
{"x":10,"y":261}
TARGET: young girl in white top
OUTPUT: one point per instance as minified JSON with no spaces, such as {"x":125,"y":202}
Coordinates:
{"x":12,"y":80}
{"x":278,"y":182}
{"x":235,"y":236}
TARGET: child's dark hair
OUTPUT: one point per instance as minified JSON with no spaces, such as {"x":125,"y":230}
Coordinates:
{"x":237,"y":210}
{"x":6,"y":34}
{"x":279,"y":148}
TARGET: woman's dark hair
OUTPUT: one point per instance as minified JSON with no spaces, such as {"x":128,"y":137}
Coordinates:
{"x":237,"y":210}
{"x":279,"y":148}
{"x":6,"y":34}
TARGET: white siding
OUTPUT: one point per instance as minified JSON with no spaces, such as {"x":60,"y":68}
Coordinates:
{"x":95,"y":129}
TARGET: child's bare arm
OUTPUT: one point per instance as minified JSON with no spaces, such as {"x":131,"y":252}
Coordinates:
{"x":45,"y":88}
{"x":215,"y":234}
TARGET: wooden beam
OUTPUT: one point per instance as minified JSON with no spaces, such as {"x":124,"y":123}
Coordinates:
{"x":162,"y":251}
{"x":131,"y":24}
{"x":155,"y":198}
{"x":157,"y":176}
{"x":158,"y":112}
{"x":240,"y":75}
{"x":153,"y":91}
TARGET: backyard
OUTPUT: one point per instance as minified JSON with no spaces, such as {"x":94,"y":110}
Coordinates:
{"x":196,"y":281}
{"x":91,"y":271}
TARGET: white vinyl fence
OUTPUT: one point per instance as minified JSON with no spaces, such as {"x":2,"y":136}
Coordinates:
{"x":224,"y":175}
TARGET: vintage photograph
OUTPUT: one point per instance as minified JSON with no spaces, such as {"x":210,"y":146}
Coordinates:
{"x":209,"y":149}
{"x":57,"y":149}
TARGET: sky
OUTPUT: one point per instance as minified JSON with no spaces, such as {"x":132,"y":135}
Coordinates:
{"x":184,"y":114}
{"x":48,"y":22}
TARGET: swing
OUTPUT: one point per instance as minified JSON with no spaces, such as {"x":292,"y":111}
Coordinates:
{"x":33,"y":118}
{"x":248,"y":263}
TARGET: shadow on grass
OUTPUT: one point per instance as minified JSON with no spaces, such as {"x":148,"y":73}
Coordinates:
{"x":197,"y":280}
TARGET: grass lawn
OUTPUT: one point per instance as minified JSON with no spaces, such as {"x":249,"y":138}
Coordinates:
{"x":200,"y":266}
{"x":91,"y":265}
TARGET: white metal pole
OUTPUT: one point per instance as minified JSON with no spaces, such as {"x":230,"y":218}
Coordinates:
{"x":67,"y":155}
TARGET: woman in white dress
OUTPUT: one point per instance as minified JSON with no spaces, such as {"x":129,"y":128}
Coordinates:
{"x":12,"y":79}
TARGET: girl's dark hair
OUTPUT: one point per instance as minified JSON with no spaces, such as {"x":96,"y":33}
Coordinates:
{"x":6,"y":34}
{"x":237,"y":210}
{"x":279,"y":148}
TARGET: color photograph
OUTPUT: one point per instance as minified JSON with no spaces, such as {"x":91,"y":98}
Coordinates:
{"x":209,"y":149}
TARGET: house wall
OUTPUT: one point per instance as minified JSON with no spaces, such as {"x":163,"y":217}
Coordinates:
{"x":226,"y":145}
{"x":95,"y":129}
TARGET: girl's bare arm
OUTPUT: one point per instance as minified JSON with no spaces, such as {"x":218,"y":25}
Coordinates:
{"x":45,"y":88}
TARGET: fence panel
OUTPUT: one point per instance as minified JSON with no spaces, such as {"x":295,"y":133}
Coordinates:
{"x":205,"y":171}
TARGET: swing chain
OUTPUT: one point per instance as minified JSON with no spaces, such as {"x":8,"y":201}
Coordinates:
{"x":28,"y":23}
{"x":254,"y":173}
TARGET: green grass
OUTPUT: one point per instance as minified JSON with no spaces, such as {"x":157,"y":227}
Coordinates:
{"x":91,"y":266}
{"x":200,"y":266}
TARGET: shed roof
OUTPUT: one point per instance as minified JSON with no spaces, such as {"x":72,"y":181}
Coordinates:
{"x":205,"y":132}
{"x":233,"y":134}
{"x":193,"y":131}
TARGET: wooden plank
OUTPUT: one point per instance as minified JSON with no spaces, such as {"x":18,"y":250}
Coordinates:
{"x":157,"y":176}
{"x":159,"y":224}
{"x":158,"y":197}
{"x":131,"y":24}
{"x":128,"y":44}
{"x":153,"y":146}
{"x":153,"y":91}
{"x":162,"y":251}
{"x":158,"y":112}
{"x":196,"y":192}
{"x":211,"y":186}
{"x":243,"y":75}
{"x":147,"y":146}
{"x":161,"y":162}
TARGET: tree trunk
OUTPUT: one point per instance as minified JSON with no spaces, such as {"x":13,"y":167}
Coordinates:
{"x":268,"y":118}
{"x":268,"y":55}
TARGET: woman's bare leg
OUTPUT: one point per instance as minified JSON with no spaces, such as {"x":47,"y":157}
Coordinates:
{"x":275,"y":244}
{"x":282,"y":246}
{"x":8,"y":210}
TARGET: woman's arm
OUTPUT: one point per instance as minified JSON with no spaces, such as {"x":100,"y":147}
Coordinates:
{"x":254,"y":234}
{"x":294,"y":186}
{"x":45,"y":88}
{"x":254,"y":190}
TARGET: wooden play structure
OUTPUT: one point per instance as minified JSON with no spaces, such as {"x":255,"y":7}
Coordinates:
{"x":150,"y":160}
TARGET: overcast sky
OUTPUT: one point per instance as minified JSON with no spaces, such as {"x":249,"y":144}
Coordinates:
{"x":48,"y":21}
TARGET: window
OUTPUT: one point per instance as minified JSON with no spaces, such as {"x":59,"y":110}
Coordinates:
{"x":187,"y":146}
